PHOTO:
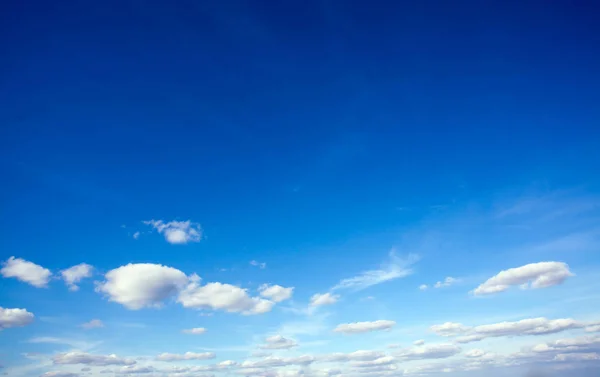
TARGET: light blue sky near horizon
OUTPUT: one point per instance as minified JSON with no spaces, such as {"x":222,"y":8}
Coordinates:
{"x":314,"y":137}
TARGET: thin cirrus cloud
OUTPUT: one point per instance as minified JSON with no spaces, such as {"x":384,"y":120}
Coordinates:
{"x":195,"y":331}
{"x":320,"y":299}
{"x":261,"y":265}
{"x":363,"y":327}
{"x":25,"y":271}
{"x":177,"y":232}
{"x":394,"y":268}
{"x":525,"y":327}
{"x":14,"y":318}
{"x":534,"y":276}
{"x":73,"y":275}
{"x":93,"y":324}
{"x":77,"y":357}
{"x":185,"y":356}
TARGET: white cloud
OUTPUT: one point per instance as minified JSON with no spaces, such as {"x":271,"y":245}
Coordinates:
{"x":434,"y":351}
{"x":446,"y":283}
{"x":423,"y":287}
{"x":360,"y":355}
{"x":219,"y":296}
{"x":75,"y":274}
{"x":394,"y":268}
{"x":90,"y":359}
{"x":362,"y":327}
{"x":59,"y":374}
{"x":531,"y":326}
{"x":273,"y":361}
{"x":135,"y":369}
{"x":136,"y":235}
{"x":275,"y":293}
{"x":185,"y":356}
{"x":276,"y":342}
{"x":73,"y":343}
{"x":592,"y":356}
{"x":177,"y":232}
{"x":419,"y":342}
{"x":26,"y":271}
{"x":534,"y":275}
{"x":319,"y":299}
{"x":14,"y":318}
{"x":195,"y":331}
{"x":140,"y":285}
{"x":474,"y":353}
{"x":261,"y":265}
{"x":93,"y":324}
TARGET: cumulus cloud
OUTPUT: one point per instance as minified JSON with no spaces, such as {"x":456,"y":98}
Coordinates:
{"x":362,"y":327}
{"x":360,"y":355}
{"x":261,"y":265}
{"x":14,"y":318}
{"x":136,"y":369}
{"x":26,"y":272}
{"x":434,"y":351}
{"x":276,"y":293}
{"x":93,"y":324}
{"x":75,"y":274}
{"x":319,"y":299}
{"x":140,"y":285}
{"x":277,"y":342}
{"x":185,"y":356}
{"x":273,"y":361}
{"x":90,"y":359}
{"x":531,"y":326}
{"x":219,"y":296}
{"x":423,"y":287}
{"x":177,"y":232}
{"x":419,"y":342}
{"x":534,"y":275}
{"x":474,"y":353}
{"x":194,"y":331}
{"x":394,"y":268}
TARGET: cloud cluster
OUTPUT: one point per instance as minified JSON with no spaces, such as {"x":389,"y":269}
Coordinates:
{"x":530,"y":326}
{"x":75,"y":274}
{"x":434,"y":351}
{"x":26,"y":272}
{"x":362,"y":327}
{"x":14,"y":318}
{"x":177,"y":232}
{"x":534,"y":275}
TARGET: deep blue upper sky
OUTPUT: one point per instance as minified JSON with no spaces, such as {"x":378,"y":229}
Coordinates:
{"x":308,"y":111}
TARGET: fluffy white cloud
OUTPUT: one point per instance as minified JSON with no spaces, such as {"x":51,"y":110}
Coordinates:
{"x":275,"y":293}
{"x":534,"y":275}
{"x":14,"y":318}
{"x":362,"y":327}
{"x":261,"y":265}
{"x":219,"y":296}
{"x":136,"y":369}
{"x":319,"y":299}
{"x":531,"y":326}
{"x":90,"y":359}
{"x":474,"y":353}
{"x":93,"y":324}
{"x":446,"y":283}
{"x":177,"y":232}
{"x":75,"y":274}
{"x":194,"y":331}
{"x":394,"y":268}
{"x":274,"y":361}
{"x":185,"y":356}
{"x":26,"y":271}
{"x":142,"y":284}
{"x":278,"y":342}
{"x":434,"y":351}
{"x":423,"y":287}
{"x":384,"y":360}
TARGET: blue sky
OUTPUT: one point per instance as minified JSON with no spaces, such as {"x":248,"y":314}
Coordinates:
{"x":317,"y":188}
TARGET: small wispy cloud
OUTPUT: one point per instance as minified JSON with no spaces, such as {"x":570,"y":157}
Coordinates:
{"x":73,"y":343}
{"x":93,"y":324}
{"x":394,"y":268}
{"x":177,"y":232}
{"x":261,"y":265}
